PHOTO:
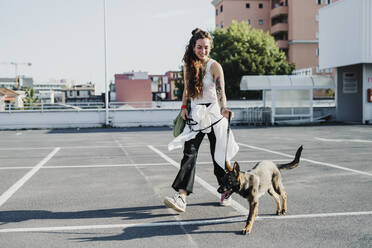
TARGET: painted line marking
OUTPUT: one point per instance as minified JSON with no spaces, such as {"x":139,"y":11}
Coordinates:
{"x":114,"y":165}
{"x":16,"y":168}
{"x":67,"y":147}
{"x":308,"y":160}
{"x":250,"y":161}
{"x":5,"y":196}
{"x":207,"y":186}
{"x":344,"y":140}
{"x":182,"y":223}
{"x":83,"y":166}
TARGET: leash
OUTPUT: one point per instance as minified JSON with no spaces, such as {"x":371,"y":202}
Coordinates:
{"x":227,"y":165}
{"x":191,"y":122}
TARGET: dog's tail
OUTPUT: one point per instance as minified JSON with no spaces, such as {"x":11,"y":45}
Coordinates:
{"x":292,"y":164}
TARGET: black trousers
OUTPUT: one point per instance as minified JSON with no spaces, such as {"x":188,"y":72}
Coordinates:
{"x":186,"y":175}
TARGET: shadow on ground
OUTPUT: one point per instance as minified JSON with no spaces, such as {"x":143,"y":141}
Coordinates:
{"x":133,"y":213}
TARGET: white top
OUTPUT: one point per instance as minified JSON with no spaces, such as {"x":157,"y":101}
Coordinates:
{"x":209,"y":87}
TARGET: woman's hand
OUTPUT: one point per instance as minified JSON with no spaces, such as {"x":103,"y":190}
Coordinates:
{"x":225,"y":113}
{"x":184,"y":113}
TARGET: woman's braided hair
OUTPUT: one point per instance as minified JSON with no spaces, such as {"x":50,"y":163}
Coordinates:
{"x":194,"y":67}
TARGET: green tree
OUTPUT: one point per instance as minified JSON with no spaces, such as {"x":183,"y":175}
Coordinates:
{"x":31,"y":99}
{"x":242,"y":50}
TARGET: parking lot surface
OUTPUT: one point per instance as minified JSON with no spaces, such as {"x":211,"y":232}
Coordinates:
{"x":105,"y":188}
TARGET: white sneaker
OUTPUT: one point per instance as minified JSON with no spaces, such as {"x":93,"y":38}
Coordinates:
{"x":225,"y":201}
{"x":176,"y":202}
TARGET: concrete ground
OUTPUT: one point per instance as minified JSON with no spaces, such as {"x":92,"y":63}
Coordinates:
{"x":105,"y":188}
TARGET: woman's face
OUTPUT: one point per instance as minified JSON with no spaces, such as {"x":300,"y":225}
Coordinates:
{"x":202,"y":49}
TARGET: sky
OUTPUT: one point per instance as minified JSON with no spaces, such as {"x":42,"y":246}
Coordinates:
{"x":64,"y":39}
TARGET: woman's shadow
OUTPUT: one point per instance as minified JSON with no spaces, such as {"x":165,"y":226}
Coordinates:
{"x":132,"y":213}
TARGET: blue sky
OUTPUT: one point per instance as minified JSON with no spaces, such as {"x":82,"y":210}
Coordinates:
{"x":63,"y":39}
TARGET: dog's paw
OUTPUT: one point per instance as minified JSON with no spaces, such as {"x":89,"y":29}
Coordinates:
{"x":278,"y":212}
{"x":284,"y":212}
{"x":245,"y":231}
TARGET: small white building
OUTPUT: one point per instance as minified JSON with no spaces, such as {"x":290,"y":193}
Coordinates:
{"x":289,"y":97}
{"x":345,"y":42}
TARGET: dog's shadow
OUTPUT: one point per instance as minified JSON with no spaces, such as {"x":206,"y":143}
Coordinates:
{"x":171,"y":229}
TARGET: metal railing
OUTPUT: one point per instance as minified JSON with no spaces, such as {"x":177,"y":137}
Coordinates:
{"x":254,"y":108}
{"x":257,"y":116}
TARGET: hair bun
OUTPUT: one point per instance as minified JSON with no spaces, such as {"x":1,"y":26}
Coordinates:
{"x":196,"y":30}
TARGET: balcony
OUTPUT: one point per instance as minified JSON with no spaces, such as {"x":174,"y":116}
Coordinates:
{"x":281,"y":10}
{"x":282,"y":44}
{"x":279,"y":27}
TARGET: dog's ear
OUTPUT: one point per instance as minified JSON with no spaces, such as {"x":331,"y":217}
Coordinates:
{"x":228,"y":166}
{"x":236,"y":168}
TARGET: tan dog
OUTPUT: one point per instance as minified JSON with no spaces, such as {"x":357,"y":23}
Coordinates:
{"x":264,"y":177}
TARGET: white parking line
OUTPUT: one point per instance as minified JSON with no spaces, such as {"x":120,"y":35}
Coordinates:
{"x":182,"y":223}
{"x":207,"y":186}
{"x":115,"y":165}
{"x":16,"y":168}
{"x":67,"y":147}
{"x":5,"y":196}
{"x":308,"y":160}
{"x":344,"y":140}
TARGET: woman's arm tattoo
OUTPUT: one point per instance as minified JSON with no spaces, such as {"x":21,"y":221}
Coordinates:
{"x":219,"y":89}
{"x":220,"y":95}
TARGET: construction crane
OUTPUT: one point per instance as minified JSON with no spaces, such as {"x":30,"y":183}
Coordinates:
{"x":16,"y":64}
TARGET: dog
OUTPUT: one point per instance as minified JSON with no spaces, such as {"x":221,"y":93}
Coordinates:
{"x":253,"y":184}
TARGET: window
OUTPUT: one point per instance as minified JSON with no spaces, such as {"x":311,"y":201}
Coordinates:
{"x":260,"y":5}
{"x":247,"y":5}
{"x":319,"y":2}
{"x":216,"y":12}
{"x":221,"y":24}
{"x":260,"y":22}
{"x":249,"y":21}
{"x":317,"y":52}
{"x":221,"y":8}
{"x":329,"y":1}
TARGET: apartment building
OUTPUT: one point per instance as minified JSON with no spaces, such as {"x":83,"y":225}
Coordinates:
{"x":293,"y":24}
{"x":80,"y":93}
{"x":160,"y":87}
{"x":134,"y":88}
{"x":174,"y":78}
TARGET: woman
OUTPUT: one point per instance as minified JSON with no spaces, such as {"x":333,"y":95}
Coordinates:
{"x":205,"y":88}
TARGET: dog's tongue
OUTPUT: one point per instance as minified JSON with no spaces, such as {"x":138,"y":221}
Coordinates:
{"x":223,"y":196}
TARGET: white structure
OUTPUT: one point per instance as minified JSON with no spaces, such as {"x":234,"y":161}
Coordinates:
{"x":47,"y":96}
{"x":289,"y":97}
{"x":54,"y":86}
{"x":2,"y":103}
{"x":345,"y":42}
